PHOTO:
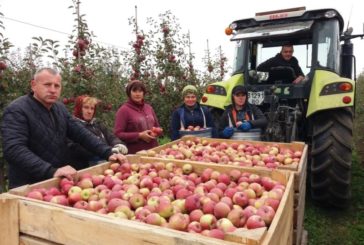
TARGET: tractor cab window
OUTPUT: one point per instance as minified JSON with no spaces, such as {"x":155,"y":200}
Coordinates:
{"x":239,"y":61}
{"x":326,"y":47}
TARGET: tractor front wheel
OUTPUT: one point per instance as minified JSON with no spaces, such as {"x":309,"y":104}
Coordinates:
{"x":331,"y":156}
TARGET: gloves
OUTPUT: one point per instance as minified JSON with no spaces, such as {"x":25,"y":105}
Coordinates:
{"x":245,"y":126}
{"x":228,"y":132}
{"x":120,"y":148}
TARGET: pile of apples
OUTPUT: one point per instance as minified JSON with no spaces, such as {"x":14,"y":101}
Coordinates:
{"x":211,"y":203}
{"x":237,"y":154}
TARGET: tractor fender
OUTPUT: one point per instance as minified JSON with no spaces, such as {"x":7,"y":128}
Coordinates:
{"x":326,"y":80}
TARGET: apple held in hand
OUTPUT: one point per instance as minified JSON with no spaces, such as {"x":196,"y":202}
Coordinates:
{"x":156,"y":131}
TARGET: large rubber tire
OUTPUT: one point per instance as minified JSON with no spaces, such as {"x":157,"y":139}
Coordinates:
{"x":331,"y":156}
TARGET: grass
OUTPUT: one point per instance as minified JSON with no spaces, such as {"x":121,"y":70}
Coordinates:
{"x":333,"y":226}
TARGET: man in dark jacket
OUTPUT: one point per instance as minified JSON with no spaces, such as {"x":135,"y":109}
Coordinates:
{"x":284,"y":59}
{"x":35,"y":129}
{"x":240,"y":114}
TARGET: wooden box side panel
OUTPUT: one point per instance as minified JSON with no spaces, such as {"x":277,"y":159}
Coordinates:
{"x":59,"y":224}
{"x":300,"y":215}
{"x":67,"y":226}
{"x":281,"y":230}
{"x":9,"y":225}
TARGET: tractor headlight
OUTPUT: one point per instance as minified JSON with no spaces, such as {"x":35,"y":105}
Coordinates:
{"x":337,"y":88}
{"x":330,"y":14}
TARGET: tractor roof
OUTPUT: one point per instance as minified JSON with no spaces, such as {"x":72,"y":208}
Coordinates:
{"x":286,"y":16}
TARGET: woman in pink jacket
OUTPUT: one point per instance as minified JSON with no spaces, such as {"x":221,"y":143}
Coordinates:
{"x":135,"y":119}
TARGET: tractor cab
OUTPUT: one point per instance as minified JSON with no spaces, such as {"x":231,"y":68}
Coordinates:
{"x":315,"y":36}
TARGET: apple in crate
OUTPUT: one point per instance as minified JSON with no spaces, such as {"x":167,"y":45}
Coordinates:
{"x":266,"y":213}
{"x":35,"y":195}
{"x":255,"y":221}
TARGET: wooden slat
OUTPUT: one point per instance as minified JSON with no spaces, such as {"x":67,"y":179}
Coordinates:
{"x":248,"y":237}
{"x":304,"y":240}
{"x":299,"y":219}
{"x":29,"y":240}
{"x":9,"y":220}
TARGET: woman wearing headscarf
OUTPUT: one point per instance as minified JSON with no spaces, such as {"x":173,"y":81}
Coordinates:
{"x":190,"y":113}
{"x":135,"y":119}
{"x":240,"y":114}
{"x":84,"y":112}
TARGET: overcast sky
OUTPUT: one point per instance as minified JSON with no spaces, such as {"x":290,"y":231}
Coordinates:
{"x":108,"y":19}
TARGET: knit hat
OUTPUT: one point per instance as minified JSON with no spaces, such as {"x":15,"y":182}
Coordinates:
{"x":189,"y":89}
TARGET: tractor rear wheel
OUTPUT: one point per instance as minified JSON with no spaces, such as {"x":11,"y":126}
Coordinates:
{"x":331,"y":156}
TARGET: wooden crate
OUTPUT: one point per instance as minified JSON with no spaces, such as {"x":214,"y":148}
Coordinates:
{"x":300,"y":172}
{"x":29,"y":221}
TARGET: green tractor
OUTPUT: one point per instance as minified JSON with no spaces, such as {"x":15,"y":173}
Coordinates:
{"x":319,"y":110}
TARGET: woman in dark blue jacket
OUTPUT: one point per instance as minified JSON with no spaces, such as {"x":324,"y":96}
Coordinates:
{"x":190,"y":113}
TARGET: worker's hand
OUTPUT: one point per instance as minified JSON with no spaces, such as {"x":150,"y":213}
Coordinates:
{"x":117,"y":157}
{"x":239,"y":123}
{"x":298,"y":79}
{"x":245,"y":126}
{"x":66,"y":171}
{"x":120,"y":148}
{"x":146,"y":136}
{"x":228,"y":132}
